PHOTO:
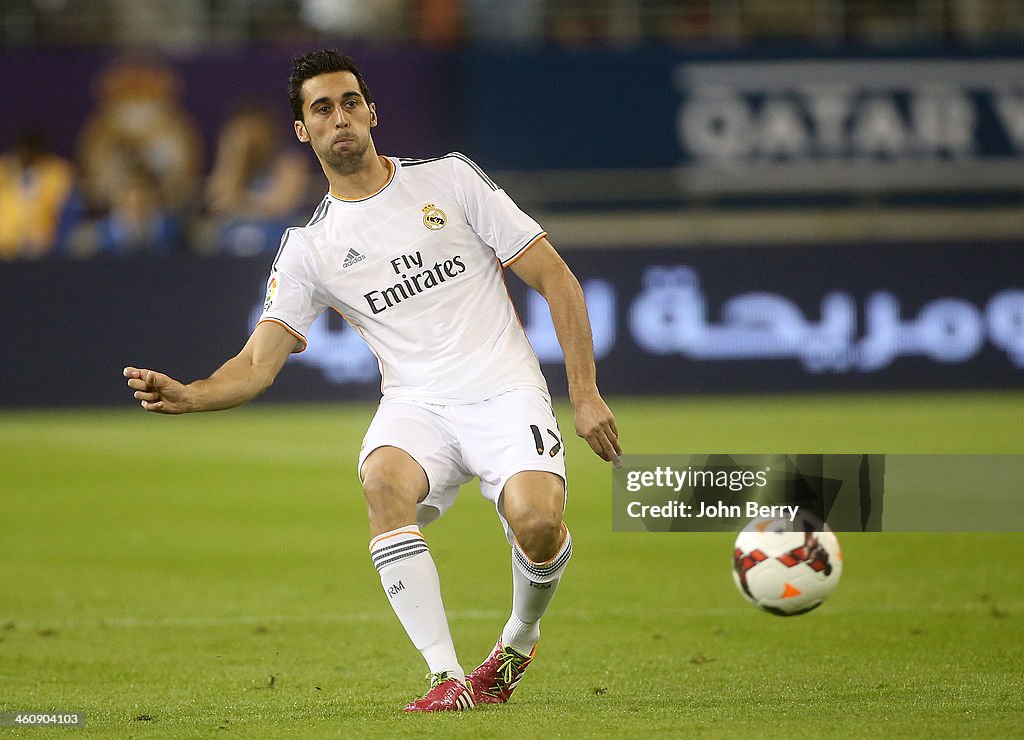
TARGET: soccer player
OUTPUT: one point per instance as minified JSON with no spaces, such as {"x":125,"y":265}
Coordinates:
{"x":411,"y":252}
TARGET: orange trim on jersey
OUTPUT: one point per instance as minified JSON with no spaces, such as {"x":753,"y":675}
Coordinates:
{"x":391,"y":176}
{"x":527,"y":248}
{"x":288,"y":329}
{"x":381,"y":537}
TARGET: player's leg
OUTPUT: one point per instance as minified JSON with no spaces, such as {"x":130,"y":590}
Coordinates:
{"x":522,"y":469}
{"x":533,"y":503}
{"x":394,"y":484}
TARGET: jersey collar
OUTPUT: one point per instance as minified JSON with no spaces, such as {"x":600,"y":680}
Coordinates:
{"x":392,"y":169}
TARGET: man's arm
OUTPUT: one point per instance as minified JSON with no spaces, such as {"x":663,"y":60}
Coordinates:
{"x":238,"y":380}
{"x":543,"y":270}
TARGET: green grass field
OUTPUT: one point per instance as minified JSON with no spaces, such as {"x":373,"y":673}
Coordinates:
{"x":193,"y":576}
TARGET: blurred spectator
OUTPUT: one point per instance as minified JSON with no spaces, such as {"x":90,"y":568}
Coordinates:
{"x":581,"y":23}
{"x":139,"y":120}
{"x":679,"y":23}
{"x":138,"y":222}
{"x":439,"y":22}
{"x":506,"y":22}
{"x":355,"y":19}
{"x":258,"y":185}
{"x":157,"y":23}
{"x":39,"y":204}
{"x":794,"y":20}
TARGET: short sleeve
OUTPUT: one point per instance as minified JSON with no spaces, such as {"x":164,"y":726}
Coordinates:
{"x":492,"y":214}
{"x":293,"y":300}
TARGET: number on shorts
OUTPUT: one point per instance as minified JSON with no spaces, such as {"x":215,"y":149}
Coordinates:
{"x":538,"y":441}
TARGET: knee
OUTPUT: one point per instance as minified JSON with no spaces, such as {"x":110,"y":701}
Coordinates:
{"x":388,"y":504}
{"x":533,"y":503}
{"x":391,"y":490}
{"x":539,"y":535}
{"x":378,"y":490}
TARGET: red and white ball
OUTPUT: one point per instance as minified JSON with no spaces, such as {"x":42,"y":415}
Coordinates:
{"x":787,"y":568}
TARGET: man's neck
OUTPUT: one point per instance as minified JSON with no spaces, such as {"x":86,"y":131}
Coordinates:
{"x":363,"y":182}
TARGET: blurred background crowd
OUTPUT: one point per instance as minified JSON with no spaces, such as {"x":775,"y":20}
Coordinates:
{"x":140,"y":178}
{"x":197,"y":23}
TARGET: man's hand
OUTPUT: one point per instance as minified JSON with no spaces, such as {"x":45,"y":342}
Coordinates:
{"x":237,"y":381}
{"x":596,"y":424}
{"x":157,"y":392}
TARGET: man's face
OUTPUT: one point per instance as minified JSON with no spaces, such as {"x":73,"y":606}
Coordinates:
{"x":336,"y":120}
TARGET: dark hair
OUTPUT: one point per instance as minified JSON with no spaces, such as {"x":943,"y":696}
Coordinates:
{"x":317,"y":63}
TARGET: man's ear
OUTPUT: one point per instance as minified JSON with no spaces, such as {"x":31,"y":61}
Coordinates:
{"x":373,"y":115}
{"x":300,"y":132}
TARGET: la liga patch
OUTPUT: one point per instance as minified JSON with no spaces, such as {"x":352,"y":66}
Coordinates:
{"x":271,"y":292}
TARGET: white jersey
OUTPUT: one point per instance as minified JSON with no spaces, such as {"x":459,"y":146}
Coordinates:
{"x":416,"y":268}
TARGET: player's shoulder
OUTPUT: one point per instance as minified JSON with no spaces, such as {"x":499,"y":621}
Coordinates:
{"x":297,"y":237}
{"x":452,"y":163}
{"x":319,"y":216}
{"x":444,"y":160}
{"x":289,"y":251}
{"x":296,"y":241}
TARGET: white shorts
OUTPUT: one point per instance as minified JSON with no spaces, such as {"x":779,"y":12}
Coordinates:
{"x":491,"y":440}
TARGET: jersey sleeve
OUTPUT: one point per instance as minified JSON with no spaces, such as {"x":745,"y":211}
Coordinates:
{"x":492,"y":214}
{"x":293,"y":300}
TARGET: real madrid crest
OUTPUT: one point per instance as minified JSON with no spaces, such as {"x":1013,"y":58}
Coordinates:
{"x":433,"y":217}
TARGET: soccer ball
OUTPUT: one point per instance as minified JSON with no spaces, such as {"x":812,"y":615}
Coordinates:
{"x":786,"y":568}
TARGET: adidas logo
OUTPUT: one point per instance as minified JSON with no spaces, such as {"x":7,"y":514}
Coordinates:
{"x":352,"y":257}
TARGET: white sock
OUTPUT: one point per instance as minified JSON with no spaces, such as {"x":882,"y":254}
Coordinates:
{"x":533,"y":587}
{"x":410,"y":581}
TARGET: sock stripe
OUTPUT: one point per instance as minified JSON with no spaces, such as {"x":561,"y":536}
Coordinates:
{"x":398,"y":546}
{"x":399,"y":552}
{"x":411,"y":532}
{"x":545,"y":570}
